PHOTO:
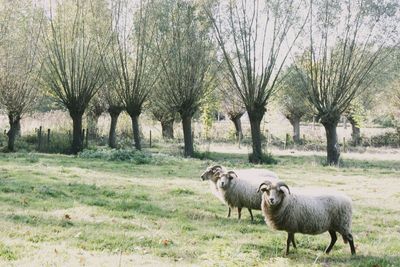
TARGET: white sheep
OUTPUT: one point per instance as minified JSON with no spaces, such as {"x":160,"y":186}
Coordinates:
{"x":242,"y":192}
{"x":307,"y":214}
{"x":212,"y":174}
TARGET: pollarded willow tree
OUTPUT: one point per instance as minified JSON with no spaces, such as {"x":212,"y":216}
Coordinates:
{"x":21,"y":25}
{"x":114,"y":107}
{"x":347,"y":41}
{"x":256,"y":38}
{"x":292,"y":102}
{"x":233,"y":105}
{"x":130,"y":64}
{"x":186,"y":55}
{"x":73,"y":70}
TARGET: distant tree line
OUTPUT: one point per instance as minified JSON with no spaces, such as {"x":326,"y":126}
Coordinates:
{"x":173,"y":57}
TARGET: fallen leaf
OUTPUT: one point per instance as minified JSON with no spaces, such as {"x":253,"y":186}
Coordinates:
{"x":67,"y":217}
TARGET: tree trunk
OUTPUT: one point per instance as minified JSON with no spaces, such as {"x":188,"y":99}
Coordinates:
{"x":238,"y":126}
{"x":356,"y":132}
{"x":332,"y":146}
{"x":12,"y":134}
{"x":187,"y":135}
{"x":295,"y":122}
{"x":92,"y":125}
{"x":77,"y":138}
{"x":19,"y":128}
{"x":136,"y":131}
{"x":112,"y":137}
{"x":255,"y":122}
{"x":167,"y":129}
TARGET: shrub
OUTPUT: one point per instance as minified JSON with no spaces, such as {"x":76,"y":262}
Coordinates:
{"x":135,"y":156}
{"x":387,"y":139}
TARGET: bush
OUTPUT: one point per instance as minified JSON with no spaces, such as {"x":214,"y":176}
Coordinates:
{"x":387,"y":139}
{"x":265,"y":159}
{"x":135,"y":156}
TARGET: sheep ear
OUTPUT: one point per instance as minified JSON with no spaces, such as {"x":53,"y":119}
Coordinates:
{"x":282,"y":184}
{"x":266,"y":184}
{"x":232,"y":175}
{"x":216,"y":168}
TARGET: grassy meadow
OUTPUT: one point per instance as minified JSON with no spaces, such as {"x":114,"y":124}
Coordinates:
{"x":70,"y":211}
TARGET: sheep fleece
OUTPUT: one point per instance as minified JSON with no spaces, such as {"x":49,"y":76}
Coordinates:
{"x":310,"y":214}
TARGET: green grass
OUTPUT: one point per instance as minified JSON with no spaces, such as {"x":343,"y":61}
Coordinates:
{"x":54,"y":209}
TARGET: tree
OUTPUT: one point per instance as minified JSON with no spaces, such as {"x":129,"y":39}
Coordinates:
{"x":21,"y":25}
{"x":256,"y":40}
{"x":291,"y":100}
{"x":185,"y":51}
{"x":114,"y":107}
{"x":347,"y":41}
{"x":130,"y":64}
{"x":96,"y":107}
{"x":233,"y":106}
{"x":163,"y":111}
{"x":73,"y":69}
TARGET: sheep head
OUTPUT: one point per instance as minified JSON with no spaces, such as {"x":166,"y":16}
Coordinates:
{"x":212,"y":173}
{"x":226,"y":179}
{"x":272,"y":192}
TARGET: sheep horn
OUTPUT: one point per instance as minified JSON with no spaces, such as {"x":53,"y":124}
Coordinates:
{"x":263,"y":183}
{"x":232,"y":174}
{"x":279,"y":184}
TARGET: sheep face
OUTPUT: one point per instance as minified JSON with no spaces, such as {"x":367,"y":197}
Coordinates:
{"x":226,"y":179}
{"x":212,"y":173}
{"x":273,"y":194}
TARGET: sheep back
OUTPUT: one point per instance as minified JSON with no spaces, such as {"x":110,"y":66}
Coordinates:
{"x":310,"y":214}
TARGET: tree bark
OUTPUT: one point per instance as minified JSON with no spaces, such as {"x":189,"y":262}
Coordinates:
{"x":295,"y":122}
{"x":167,"y":129}
{"x":187,"y":135}
{"x":12,"y":134}
{"x":356,"y":133}
{"x":93,"y":125}
{"x":112,"y":137}
{"x":77,"y":138}
{"x":238,"y":126}
{"x":136,"y":131}
{"x":332,"y":146}
{"x":255,"y":122}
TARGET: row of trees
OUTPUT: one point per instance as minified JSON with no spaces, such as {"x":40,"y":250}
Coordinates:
{"x":168,"y":57}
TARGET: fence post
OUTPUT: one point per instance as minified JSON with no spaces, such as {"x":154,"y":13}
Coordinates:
{"x":87,"y":138}
{"x":40,"y":138}
{"x":286,"y":140}
{"x":48,"y":139}
{"x":344,"y":145}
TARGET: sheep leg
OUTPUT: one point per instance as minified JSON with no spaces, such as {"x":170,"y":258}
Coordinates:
{"x":289,"y":240}
{"x":351,"y":243}
{"x":333,"y":241}
{"x":229,"y":212}
{"x":293,"y":242}
{"x":251,"y":215}
{"x":239,"y":213}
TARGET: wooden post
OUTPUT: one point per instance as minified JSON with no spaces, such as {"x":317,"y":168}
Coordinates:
{"x":87,"y":138}
{"x":150,"y":138}
{"x":286,"y":140}
{"x":344,"y":145}
{"x":304,"y":137}
{"x":48,"y":138}
{"x":40,"y":138}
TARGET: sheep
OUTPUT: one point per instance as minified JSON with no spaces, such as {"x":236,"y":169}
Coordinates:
{"x":300,"y":213}
{"x":212,"y":174}
{"x":241,"y":192}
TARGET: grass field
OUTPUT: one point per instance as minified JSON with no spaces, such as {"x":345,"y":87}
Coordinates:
{"x":67,"y":211}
